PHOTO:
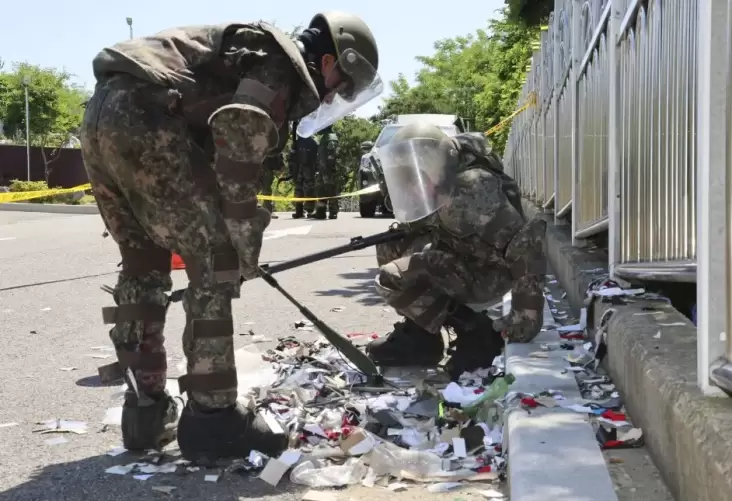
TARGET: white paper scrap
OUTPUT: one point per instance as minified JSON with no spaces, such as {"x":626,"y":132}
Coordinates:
{"x":458,"y":447}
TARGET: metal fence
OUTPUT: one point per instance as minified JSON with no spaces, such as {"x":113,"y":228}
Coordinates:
{"x":616,"y":80}
{"x":632,"y":135}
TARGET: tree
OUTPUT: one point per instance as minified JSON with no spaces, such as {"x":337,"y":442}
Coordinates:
{"x":352,"y":131}
{"x":529,"y":12}
{"x":56,"y":107}
{"x":478,"y":77}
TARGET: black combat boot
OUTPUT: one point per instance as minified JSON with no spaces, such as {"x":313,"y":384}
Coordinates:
{"x":320,"y":213}
{"x":333,"y":215}
{"x":148,"y":422}
{"x":477,"y":342}
{"x":208,"y":435}
{"x":299,"y":212}
{"x":407,"y":345}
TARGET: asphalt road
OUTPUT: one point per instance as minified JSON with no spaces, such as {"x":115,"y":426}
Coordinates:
{"x":51,"y":270}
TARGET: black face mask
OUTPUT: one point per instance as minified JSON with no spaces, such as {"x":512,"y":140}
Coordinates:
{"x":312,"y":52}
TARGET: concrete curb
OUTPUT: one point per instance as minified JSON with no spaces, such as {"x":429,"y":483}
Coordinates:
{"x":51,"y":208}
{"x":552,"y":453}
{"x":688,"y":435}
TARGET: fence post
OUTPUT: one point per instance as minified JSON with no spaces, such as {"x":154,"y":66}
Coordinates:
{"x":558,"y":74}
{"x":712,"y":144}
{"x":577,"y":53}
{"x":614,"y":193}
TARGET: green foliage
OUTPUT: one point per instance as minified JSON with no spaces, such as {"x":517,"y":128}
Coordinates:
{"x":18,"y":185}
{"x":352,"y":131}
{"x":477,"y":76}
{"x":529,"y":12}
{"x":56,"y":105}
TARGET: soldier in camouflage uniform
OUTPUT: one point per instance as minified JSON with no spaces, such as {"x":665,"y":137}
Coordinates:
{"x":328,"y":175}
{"x":303,"y":160}
{"x":306,"y":153}
{"x":472,"y":244}
{"x":272,"y":165}
{"x":173,"y":141}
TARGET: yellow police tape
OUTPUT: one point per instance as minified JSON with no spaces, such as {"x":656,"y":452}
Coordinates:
{"x":531,"y":101}
{"x":30,"y":195}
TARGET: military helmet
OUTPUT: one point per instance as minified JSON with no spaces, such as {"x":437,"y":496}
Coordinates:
{"x":354,"y":45}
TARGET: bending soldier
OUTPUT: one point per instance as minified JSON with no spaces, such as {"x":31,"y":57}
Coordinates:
{"x":470,"y":244}
{"x":173,"y":140}
{"x":328,"y":175}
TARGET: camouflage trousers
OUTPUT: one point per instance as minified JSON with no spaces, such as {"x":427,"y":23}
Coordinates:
{"x":425,"y":284}
{"x":266,"y":178}
{"x":326,"y":185}
{"x":157,"y":192}
{"x":305,"y":185}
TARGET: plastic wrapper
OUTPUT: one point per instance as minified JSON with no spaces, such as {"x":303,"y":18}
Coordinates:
{"x":315,"y":473}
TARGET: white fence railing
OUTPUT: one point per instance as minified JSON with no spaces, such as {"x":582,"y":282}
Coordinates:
{"x":629,"y":136}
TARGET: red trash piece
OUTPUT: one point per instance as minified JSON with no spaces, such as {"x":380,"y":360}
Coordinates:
{"x":529,"y":402}
{"x":614,"y":416}
{"x":177,"y":263}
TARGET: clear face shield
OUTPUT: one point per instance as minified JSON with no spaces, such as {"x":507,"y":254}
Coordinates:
{"x":360,"y":84}
{"x":420,"y":175}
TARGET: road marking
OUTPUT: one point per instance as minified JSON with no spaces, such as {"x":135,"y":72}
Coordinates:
{"x":6,"y":238}
{"x":297,"y":230}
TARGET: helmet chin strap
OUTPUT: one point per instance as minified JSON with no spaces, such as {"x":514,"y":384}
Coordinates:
{"x":312,"y":61}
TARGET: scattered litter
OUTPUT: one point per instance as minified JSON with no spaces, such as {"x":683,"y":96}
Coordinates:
{"x":62,"y":426}
{"x":56,"y":441}
{"x":68,"y":369}
{"x":338,"y":309}
{"x":100,"y":356}
{"x":116,"y":451}
{"x":113,"y":416}
{"x":490,"y":494}
{"x":121,"y":469}
{"x":211,"y":478}
{"x":319,"y":496}
{"x":7,"y":425}
{"x":274,"y":471}
{"x":45,"y":309}
{"x":165,"y":489}
{"x":444,"y":486}
{"x":141,"y":477}
{"x":657,"y":335}
{"x":304,"y":325}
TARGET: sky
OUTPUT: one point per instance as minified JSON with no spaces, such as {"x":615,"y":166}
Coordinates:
{"x":69,"y":35}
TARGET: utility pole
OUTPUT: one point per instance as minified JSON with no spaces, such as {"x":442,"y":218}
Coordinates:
{"x":129,"y":23}
{"x":26,"y":83}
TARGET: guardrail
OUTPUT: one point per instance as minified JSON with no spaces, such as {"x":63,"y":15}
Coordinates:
{"x":631,"y":136}
{"x":616,"y":80}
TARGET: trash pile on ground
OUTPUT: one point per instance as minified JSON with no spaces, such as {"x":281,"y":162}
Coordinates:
{"x":422,"y":430}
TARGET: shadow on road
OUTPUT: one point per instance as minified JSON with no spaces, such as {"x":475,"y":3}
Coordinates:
{"x":363,"y":290}
{"x":86,"y":480}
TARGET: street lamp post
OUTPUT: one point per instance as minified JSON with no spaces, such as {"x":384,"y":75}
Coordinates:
{"x":129,"y":23}
{"x":26,"y":83}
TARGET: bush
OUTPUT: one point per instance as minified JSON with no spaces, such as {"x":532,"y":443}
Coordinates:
{"x":21,"y":186}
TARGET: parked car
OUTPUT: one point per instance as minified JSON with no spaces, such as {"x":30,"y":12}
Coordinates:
{"x":370,"y":172}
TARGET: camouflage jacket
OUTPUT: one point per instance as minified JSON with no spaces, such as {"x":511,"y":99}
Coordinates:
{"x":212,"y":66}
{"x":328,"y":154}
{"x":485,"y":211}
